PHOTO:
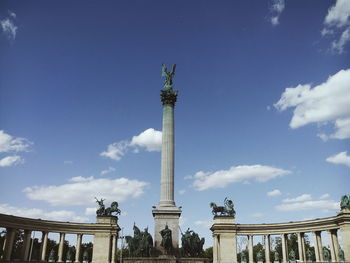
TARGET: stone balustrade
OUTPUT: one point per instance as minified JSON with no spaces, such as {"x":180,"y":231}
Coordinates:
{"x":105,"y":233}
{"x":225,"y":232}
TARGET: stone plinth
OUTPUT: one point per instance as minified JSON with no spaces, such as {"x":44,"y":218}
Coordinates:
{"x":102,"y":249}
{"x":166,"y":216}
{"x":225,"y":242}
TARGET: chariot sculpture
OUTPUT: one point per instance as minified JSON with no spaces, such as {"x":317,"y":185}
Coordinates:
{"x":109,"y":211}
{"x":226,"y":210}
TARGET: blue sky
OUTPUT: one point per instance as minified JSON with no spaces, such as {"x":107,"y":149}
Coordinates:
{"x":262,"y":117}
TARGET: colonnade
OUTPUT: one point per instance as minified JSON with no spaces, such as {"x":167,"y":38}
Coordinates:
{"x":302,"y":256}
{"x":225,"y":233}
{"x":105,"y":233}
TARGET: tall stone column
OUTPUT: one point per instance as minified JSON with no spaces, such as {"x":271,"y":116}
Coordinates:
{"x":267,"y":249}
{"x":166,"y":213}
{"x":335,"y":244}
{"x":78,"y":248}
{"x":303,"y":245}
{"x":300,"y":246}
{"x":114,"y":246}
{"x":26,"y":244}
{"x":284,"y":248}
{"x":9,"y":240}
{"x":44,"y":238}
{"x":317,"y":238}
{"x":60,"y":247}
{"x":250,"y":249}
{"x":332,"y":246}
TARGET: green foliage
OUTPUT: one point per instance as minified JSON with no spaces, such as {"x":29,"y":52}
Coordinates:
{"x":208,"y":253}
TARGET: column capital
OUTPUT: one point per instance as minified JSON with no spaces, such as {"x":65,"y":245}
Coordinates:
{"x":168,"y":96}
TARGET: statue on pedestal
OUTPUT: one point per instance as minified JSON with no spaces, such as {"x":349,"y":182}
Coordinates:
{"x":167,"y":242}
{"x":191,"y":243}
{"x":102,"y":211}
{"x":276,"y":256}
{"x":141,"y":244}
{"x":326,"y":254}
{"x":52,"y":255}
{"x":226,"y":210}
{"x":345,"y":202}
{"x":168,"y":84}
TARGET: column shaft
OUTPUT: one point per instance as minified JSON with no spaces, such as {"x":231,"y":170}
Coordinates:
{"x":167,"y":164}
{"x":250,"y":248}
{"x":78,"y":247}
{"x":331,"y":246}
{"x":114,"y":246}
{"x":316,"y":246}
{"x":60,"y":247}
{"x":320,"y":248}
{"x":216,"y":248}
{"x":284,"y":248}
{"x":336,"y":244}
{"x":303,"y":245}
{"x":44,"y":238}
{"x":26,"y":244}
{"x":267,"y":249}
{"x":300,"y":247}
{"x":9,"y":240}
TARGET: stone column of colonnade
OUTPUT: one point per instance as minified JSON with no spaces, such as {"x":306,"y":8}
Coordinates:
{"x":78,"y":247}
{"x":60,"y":247}
{"x":267,"y":248}
{"x":8,"y":245}
{"x":318,"y":246}
{"x":26,"y":245}
{"x":44,"y":238}
{"x":250,"y":249}
{"x":284,"y":248}
{"x":300,"y":246}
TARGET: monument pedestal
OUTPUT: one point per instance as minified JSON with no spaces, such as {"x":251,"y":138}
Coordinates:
{"x":167,"y":215}
{"x":103,"y":250}
{"x":225,"y":244}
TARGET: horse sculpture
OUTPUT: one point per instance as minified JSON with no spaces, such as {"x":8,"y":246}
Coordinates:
{"x":226,"y":210}
{"x":191,"y":243}
{"x":141,"y":244}
{"x":102,"y":211}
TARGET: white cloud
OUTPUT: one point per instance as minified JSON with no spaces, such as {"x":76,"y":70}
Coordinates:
{"x":276,"y":9}
{"x":107,"y":171}
{"x":83,"y":190}
{"x":340,"y":158}
{"x":182,"y":221}
{"x":149,"y":139}
{"x":339,"y":14}
{"x":324,"y":196}
{"x":338,"y":45}
{"x":115,"y":151}
{"x":338,"y":20}
{"x":205,"y":224}
{"x":68,"y":162}
{"x":327,"y":102}
{"x":275,"y":192}
{"x":220,"y":179}
{"x":10,"y":144}
{"x":12,"y":14}
{"x":10,"y":160}
{"x":59,"y":215}
{"x":9,"y":28}
{"x":300,"y":198}
{"x":309,"y":205}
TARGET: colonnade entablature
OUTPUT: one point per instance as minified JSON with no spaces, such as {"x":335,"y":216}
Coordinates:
{"x":225,"y":232}
{"x":105,"y":232}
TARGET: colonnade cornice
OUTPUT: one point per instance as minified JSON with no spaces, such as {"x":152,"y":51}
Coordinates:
{"x":322,"y":224}
{"x":56,"y":226}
